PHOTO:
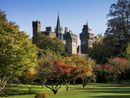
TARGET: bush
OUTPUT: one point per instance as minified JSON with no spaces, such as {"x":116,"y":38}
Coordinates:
{"x":41,"y":95}
{"x":104,"y":73}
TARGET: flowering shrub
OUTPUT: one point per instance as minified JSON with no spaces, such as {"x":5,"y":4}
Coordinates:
{"x":104,"y":73}
{"x":114,"y":70}
{"x":120,"y":66}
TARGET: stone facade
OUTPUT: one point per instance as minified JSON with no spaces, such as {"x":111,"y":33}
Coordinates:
{"x":71,"y":42}
{"x":69,"y":39}
{"x":86,"y":38}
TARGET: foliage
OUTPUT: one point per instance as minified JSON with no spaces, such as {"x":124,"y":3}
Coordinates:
{"x":101,"y":50}
{"x":67,"y":72}
{"x":2,"y":16}
{"x":17,"y":52}
{"x":127,"y":54}
{"x":119,"y":26}
{"x":46,"y":42}
{"x":104,"y":73}
{"x":120,"y":66}
{"x":47,"y":73}
{"x":83,"y":64}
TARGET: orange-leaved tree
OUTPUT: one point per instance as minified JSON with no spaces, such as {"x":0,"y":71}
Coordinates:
{"x":67,"y":72}
{"x":84,"y":66}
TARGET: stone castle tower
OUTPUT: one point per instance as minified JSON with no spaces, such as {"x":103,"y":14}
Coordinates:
{"x":69,"y":39}
{"x":36,"y":27}
{"x":71,"y":42}
{"x":86,"y":38}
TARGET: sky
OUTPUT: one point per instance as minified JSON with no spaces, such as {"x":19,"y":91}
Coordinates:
{"x":73,"y":14}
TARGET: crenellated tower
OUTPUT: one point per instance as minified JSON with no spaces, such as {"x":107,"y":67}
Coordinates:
{"x":36,"y":27}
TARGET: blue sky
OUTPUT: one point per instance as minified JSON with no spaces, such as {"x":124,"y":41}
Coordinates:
{"x":73,"y":13}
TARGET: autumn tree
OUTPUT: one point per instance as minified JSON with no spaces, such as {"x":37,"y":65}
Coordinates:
{"x":120,"y":65}
{"x":17,"y":51}
{"x":67,"y":72}
{"x":47,"y":73}
{"x":84,"y":66}
{"x":104,"y":73}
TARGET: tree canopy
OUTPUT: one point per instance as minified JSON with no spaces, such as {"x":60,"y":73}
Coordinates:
{"x":46,"y":42}
{"x":17,"y":51}
{"x":119,"y":26}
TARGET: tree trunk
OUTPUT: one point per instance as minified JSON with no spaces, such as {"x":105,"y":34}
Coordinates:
{"x":74,"y":83}
{"x":55,"y":91}
{"x":67,"y":88}
{"x":84,"y":82}
{"x":29,"y":91}
{"x":67,"y":85}
{"x":119,"y":79}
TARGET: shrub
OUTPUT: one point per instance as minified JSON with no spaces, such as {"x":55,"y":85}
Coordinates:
{"x":41,"y":95}
{"x":104,"y":73}
{"x":120,"y":66}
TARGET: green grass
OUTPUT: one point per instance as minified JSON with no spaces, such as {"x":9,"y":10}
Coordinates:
{"x":97,"y":90}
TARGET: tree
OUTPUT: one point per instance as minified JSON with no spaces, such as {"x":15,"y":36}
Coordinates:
{"x":120,"y":65}
{"x":47,"y":73}
{"x":55,"y":72}
{"x":2,"y":16}
{"x":101,"y":51}
{"x":67,"y":72}
{"x":104,"y":73}
{"x":46,"y":42}
{"x":83,"y":67}
{"x":17,"y":51}
{"x":119,"y":26}
{"x":127,"y":54}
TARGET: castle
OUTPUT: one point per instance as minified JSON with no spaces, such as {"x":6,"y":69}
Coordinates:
{"x":68,"y":38}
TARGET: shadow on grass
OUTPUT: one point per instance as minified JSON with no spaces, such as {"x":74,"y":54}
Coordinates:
{"x":18,"y":92}
{"x":113,"y":92}
{"x":112,"y":96}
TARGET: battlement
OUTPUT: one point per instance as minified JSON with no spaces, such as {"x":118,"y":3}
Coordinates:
{"x":48,"y":29}
{"x":36,"y":23}
{"x":74,"y":38}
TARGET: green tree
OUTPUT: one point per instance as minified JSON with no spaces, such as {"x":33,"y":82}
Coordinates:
{"x":17,"y":53}
{"x":119,"y":26}
{"x":2,"y":16}
{"x":101,"y":50}
{"x":127,"y":54}
{"x":46,"y":42}
{"x":47,"y":72}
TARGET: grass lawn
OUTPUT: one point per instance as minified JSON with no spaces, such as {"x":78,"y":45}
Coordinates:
{"x":97,"y":90}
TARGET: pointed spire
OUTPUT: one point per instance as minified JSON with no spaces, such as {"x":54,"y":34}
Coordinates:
{"x":58,"y":27}
{"x":86,"y":22}
{"x":58,"y":19}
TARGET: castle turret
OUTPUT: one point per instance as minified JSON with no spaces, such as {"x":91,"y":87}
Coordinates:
{"x":66,"y":30}
{"x":71,"y":43}
{"x":36,"y":27}
{"x":86,"y":38}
